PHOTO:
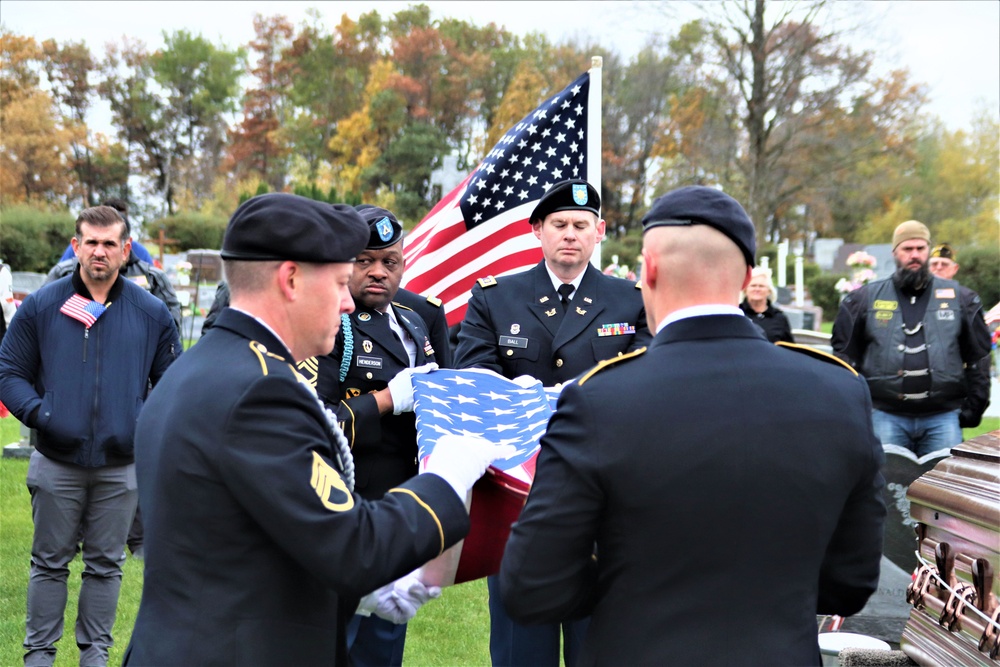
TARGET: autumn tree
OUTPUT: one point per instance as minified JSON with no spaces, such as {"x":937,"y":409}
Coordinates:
{"x":34,"y":146}
{"x":701,"y":137}
{"x":199,"y":84}
{"x":69,"y":68}
{"x":641,"y":100}
{"x":328,"y":73}
{"x":790,"y":74}
{"x":255,"y":145}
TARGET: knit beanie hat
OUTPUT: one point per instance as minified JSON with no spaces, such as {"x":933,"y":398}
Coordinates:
{"x":909,"y":230}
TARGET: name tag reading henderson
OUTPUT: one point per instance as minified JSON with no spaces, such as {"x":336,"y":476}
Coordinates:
{"x":514,"y":341}
{"x":370,"y":362}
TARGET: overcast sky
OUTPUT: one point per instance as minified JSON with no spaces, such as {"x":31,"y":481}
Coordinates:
{"x":951,"y":46}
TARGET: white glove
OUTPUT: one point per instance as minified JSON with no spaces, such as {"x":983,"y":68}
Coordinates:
{"x":379,"y":598}
{"x":399,"y":601}
{"x":462,"y":460}
{"x":525,"y":381}
{"x":409,"y":594}
{"x":401,"y":387}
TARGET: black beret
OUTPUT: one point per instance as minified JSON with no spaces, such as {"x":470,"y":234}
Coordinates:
{"x":573,"y":195}
{"x":699,"y":205}
{"x":385,"y":229}
{"x":280,"y":226}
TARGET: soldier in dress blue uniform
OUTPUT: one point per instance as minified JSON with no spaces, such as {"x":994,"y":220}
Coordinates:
{"x":733,"y":496}
{"x":379,"y":340}
{"x":257,"y":547}
{"x":552,"y":322}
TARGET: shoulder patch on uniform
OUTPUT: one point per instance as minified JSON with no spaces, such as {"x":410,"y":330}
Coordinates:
{"x":329,"y":486}
{"x":488,"y":281}
{"x":434,"y":301}
{"x":399,"y":305}
{"x":601,"y":365}
{"x":263,"y":355}
{"x":816,"y":354}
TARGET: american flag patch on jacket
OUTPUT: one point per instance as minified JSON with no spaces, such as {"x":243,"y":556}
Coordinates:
{"x":83,"y":309}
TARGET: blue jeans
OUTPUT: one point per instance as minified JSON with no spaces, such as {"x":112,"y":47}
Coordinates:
{"x":920,"y":434}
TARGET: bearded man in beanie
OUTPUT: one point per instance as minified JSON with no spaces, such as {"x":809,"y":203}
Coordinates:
{"x":920,"y":341}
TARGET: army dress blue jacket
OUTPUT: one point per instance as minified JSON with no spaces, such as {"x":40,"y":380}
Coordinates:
{"x":366,"y":356}
{"x":513,"y":325}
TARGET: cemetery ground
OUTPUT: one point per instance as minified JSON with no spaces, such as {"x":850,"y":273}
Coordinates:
{"x":453,"y":630}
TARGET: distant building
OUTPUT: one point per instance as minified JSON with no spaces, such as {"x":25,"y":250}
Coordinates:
{"x":445,"y":178}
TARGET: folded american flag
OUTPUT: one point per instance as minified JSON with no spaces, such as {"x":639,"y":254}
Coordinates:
{"x":480,"y":402}
{"x":83,"y":309}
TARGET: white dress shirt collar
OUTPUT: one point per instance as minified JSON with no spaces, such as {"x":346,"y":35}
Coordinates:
{"x":699,"y":311}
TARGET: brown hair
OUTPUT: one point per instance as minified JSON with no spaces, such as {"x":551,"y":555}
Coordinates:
{"x":101,"y":216}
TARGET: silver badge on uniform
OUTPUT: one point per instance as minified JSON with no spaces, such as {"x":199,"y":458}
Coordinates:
{"x":367,"y":345}
{"x":515,"y":329}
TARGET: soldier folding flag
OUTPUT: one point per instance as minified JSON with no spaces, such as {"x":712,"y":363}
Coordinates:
{"x":481,"y":227}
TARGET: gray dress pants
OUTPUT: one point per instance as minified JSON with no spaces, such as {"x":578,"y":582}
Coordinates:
{"x":68,"y":501}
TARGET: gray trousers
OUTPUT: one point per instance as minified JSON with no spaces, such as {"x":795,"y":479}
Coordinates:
{"x":68,"y":501}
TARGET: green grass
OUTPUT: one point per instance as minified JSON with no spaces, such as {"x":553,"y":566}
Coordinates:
{"x":453,"y":630}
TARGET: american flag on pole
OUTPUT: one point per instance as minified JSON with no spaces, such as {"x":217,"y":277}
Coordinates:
{"x":481,"y":227}
{"x":83,"y":309}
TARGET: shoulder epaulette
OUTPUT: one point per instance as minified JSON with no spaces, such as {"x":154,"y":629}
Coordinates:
{"x":263,"y":355}
{"x":816,"y":354}
{"x":434,"y":301}
{"x":601,"y":365}
{"x":488,"y":281}
{"x":399,"y":305}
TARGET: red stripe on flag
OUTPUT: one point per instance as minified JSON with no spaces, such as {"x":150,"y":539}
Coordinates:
{"x":75,"y":307}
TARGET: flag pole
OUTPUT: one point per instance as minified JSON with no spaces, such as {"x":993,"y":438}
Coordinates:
{"x":594,"y":138}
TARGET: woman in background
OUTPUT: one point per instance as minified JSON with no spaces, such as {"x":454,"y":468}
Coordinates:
{"x":757,"y":306}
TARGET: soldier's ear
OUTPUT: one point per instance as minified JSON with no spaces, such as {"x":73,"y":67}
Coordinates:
{"x":290,"y":279}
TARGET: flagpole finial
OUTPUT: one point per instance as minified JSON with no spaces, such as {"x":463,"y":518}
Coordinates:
{"x":596,"y":62}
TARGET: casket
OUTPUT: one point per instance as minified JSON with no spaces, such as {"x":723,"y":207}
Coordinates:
{"x":955,"y":617}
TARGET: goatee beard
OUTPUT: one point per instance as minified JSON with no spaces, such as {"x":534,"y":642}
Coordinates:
{"x":911,"y":281}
